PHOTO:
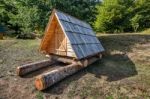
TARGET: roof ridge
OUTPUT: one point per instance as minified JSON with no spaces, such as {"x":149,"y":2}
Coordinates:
{"x":56,"y":10}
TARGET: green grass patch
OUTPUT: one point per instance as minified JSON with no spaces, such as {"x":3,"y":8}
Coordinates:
{"x":39,"y":95}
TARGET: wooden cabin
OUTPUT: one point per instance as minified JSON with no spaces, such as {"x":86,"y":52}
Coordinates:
{"x":69,"y":37}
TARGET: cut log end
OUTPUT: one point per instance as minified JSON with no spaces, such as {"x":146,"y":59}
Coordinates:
{"x":39,"y":84}
{"x":18,"y":71}
{"x":85,"y":63}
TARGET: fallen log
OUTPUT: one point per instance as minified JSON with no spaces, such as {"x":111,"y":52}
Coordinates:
{"x":48,"y":79}
{"x":24,"y":69}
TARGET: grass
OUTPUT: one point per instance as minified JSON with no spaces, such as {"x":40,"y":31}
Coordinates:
{"x":147,"y":31}
{"x":123,"y":73}
{"x":39,"y":95}
{"x":17,"y":52}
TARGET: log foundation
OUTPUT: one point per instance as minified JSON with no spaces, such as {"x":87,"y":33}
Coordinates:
{"x":48,"y":79}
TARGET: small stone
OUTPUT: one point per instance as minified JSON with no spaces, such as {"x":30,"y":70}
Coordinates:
{"x":10,"y":73}
{"x":15,"y":79}
{"x":1,"y":61}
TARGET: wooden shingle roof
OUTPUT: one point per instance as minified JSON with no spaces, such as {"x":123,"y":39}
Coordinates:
{"x":80,"y":34}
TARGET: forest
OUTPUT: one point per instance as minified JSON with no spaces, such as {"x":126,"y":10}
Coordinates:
{"x":105,"y":16}
{"x":121,"y":71}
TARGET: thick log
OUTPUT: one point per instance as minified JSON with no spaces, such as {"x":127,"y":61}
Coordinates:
{"x":48,"y":79}
{"x":89,"y":61}
{"x":69,"y":60}
{"x":25,"y":69}
{"x":63,"y":59}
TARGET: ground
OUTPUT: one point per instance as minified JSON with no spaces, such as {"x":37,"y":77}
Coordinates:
{"x":123,"y":73}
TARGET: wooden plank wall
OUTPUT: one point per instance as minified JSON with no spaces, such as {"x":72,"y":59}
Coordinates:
{"x":57,"y":42}
{"x":60,"y":42}
{"x":70,"y":51}
{"x":49,"y":32}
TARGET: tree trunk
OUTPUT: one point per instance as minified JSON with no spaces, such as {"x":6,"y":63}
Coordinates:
{"x":22,"y":70}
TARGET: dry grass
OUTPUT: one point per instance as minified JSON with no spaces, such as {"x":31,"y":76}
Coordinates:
{"x":147,"y":31}
{"x":123,"y":73}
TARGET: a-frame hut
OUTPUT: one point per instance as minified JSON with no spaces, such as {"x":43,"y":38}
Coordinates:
{"x":68,"y":40}
{"x":70,"y":37}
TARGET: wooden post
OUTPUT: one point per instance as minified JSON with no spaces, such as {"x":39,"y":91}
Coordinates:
{"x":48,"y":79}
{"x":22,"y":70}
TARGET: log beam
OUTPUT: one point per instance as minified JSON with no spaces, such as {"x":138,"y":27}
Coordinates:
{"x":63,"y":59}
{"x":48,"y":79}
{"x":25,"y":69}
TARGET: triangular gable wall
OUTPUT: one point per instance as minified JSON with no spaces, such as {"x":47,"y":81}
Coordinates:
{"x":55,"y":40}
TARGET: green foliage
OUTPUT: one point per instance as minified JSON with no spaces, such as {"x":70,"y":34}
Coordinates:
{"x":135,"y":22}
{"x":82,"y":9}
{"x":141,"y":14}
{"x":27,"y":16}
{"x":5,"y":9}
{"x":39,"y":95}
{"x":112,"y":15}
{"x":123,"y":16}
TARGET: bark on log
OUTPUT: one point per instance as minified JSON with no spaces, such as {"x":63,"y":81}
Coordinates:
{"x":61,"y":59}
{"x":48,"y":79}
{"x":22,"y":70}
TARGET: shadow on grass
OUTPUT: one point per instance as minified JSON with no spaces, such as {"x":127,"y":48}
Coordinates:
{"x":114,"y":67}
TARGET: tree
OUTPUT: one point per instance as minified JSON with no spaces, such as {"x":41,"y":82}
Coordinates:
{"x":26,"y":16}
{"x":5,"y":9}
{"x":123,"y":16}
{"x":113,"y":16}
{"x":140,"y":15}
{"x":82,"y":9}
{"x":135,"y":22}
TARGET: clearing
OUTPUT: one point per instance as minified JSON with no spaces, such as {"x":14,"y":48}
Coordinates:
{"x":123,"y":73}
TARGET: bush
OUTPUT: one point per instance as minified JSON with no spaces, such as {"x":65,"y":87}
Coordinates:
{"x":26,"y":36}
{"x":123,"y":16}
